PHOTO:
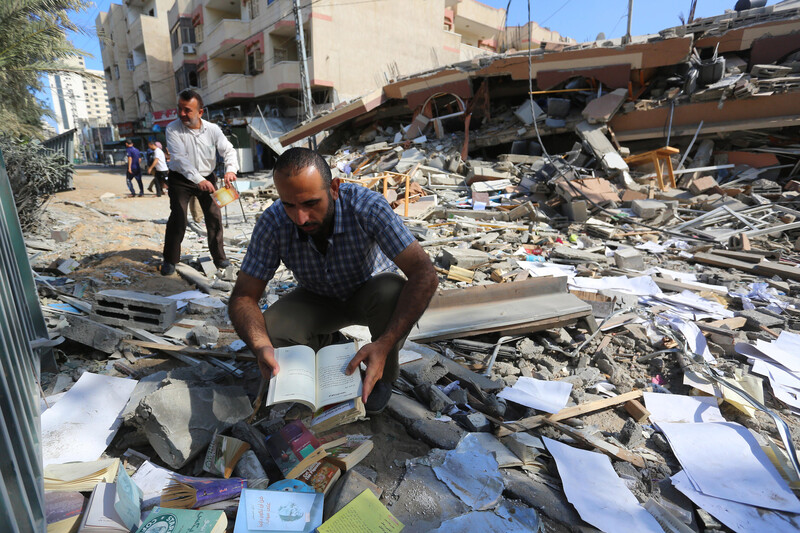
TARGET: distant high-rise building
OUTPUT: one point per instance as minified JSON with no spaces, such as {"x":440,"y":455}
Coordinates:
{"x":79,"y":101}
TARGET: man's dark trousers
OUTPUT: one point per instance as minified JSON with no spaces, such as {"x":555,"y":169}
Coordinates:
{"x":180,"y":192}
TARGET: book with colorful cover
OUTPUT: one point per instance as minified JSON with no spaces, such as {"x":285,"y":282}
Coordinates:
{"x":183,"y":521}
{"x":269,"y":511}
{"x":350,"y":453}
{"x":294,"y":448}
{"x":184,"y":492}
{"x":322,"y":475}
{"x":223,"y":454}
{"x":365,"y":514}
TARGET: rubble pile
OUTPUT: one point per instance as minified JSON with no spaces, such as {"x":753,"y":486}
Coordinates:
{"x":615,"y":333}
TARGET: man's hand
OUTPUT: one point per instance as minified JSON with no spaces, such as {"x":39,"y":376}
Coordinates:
{"x":206,"y":186}
{"x":266,"y":362}
{"x":374,"y":356}
{"x":229,"y":178}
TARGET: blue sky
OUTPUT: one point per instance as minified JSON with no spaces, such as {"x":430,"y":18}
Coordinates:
{"x":579,"y":19}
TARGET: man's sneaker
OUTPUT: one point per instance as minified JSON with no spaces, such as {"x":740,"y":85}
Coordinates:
{"x":167,"y":269}
{"x":222,"y":264}
{"x":378,"y":398}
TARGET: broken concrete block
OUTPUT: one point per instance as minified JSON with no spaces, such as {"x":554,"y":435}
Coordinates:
{"x":205,"y":334}
{"x":631,"y":434}
{"x":438,"y":401}
{"x":180,"y":419}
{"x":138,"y":309}
{"x":528,"y":112}
{"x":702,"y":184}
{"x":351,"y":485}
{"x":756,"y":319}
{"x":473,"y":422}
{"x":463,"y":257}
{"x":91,"y":333}
{"x":423,"y":371}
{"x":647,"y":209}
{"x":59,"y":235}
{"x":536,"y":493}
{"x":421,"y":423}
{"x":629,"y":259}
{"x":423,"y":501}
{"x":565,"y":252}
{"x":208,"y":266}
{"x":601,"y":110}
{"x":144,"y":387}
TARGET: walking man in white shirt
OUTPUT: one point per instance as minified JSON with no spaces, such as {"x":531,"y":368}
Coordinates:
{"x":193,"y":144}
{"x":160,"y":166}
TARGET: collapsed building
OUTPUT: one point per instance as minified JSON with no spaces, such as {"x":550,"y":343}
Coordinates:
{"x":616,"y":232}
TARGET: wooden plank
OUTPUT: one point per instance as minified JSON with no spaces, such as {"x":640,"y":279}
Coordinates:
{"x":460,"y":274}
{"x":193,"y":352}
{"x":679,"y":286}
{"x":769,"y":269}
{"x":569,"y":412}
{"x":723,"y":262}
{"x":605,"y":447}
{"x":638,"y":411}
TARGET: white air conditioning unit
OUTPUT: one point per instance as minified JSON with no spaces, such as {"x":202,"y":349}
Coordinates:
{"x":188,"y":48}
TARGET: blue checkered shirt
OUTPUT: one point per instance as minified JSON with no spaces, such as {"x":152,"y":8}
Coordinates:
{"x":366,"y":233}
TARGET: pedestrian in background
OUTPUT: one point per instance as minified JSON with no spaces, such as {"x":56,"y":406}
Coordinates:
{"x":158,"y":167}
{"x":134,"y":169}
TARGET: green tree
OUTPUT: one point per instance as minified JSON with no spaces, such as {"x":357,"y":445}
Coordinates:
{"x":33,"y":42}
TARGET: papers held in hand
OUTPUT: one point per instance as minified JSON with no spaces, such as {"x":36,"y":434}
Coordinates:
{"x":314,"y":379}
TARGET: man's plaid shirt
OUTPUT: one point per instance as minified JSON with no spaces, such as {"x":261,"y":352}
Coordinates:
{"x":366,"y":233}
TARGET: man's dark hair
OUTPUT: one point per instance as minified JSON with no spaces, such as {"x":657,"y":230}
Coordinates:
{"x":189,"y":94}
{"x":293,"y":160}
{"x":129,"y":142}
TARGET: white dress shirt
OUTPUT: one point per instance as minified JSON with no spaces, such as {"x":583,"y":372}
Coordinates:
{"x":193,"y":153}
{"x":161,"y":163}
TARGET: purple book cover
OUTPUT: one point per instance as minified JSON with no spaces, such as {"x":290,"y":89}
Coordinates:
{"x":212,"y":490}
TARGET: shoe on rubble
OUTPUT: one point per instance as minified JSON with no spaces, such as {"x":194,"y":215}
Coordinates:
{"x":378,"y":398}
{"x":222,"y":264}
{"x":167,"y":269}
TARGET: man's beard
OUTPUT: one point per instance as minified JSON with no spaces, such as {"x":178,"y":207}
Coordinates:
{"x":323,"y":229}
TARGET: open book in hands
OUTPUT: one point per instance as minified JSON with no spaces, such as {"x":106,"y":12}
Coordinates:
{"x":314,"y":379}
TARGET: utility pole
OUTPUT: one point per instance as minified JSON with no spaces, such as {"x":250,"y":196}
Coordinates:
{"x":630,"y":13}
{"x":691,"y":11}
{"x":305,"y":82}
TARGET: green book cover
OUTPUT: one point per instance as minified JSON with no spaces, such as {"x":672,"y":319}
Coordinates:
{"x":163,"y":520}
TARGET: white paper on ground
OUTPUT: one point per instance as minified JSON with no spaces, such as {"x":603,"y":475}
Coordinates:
{"x":694,"y":337}
{"x":695,"y":301}
{"x":539,"y":270}
{"x":785,"y":384}
{"x":83,"y":423}
{"x":771,"y":350}
{"x":601,"y":498}
{"x":640,"y":286}
{"x":724,"y":460}
{"x":548,"y":396}
{"x":505,"y":458}
{"x":184,"y":297}
{"x":680,"y":408}
{"x":737,"y":516}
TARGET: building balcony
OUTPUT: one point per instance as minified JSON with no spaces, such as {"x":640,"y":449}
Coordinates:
{"x":225,"y":37}
{"x":229,"y":86}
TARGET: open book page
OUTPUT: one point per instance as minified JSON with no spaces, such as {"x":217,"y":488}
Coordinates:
{"x":295,"y":379}
{"x":333,"y":385}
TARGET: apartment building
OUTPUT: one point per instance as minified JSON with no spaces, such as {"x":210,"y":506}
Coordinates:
{"x":238,"y":52}
{"x":137,"y":64}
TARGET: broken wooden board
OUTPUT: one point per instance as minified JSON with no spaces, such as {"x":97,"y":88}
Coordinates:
{"x":524,"y":306}
{"x":723,"y":262}
{"x":602,"y":446}
{"x":568,"y":412}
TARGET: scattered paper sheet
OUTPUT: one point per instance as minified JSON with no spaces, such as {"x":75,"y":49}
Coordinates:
{"x":640,"y":286}
{"x":694,"y":337}
{"x":83,"y":423}
{"x":601,"y":497}
{"x":472,"y":475}
{"x":737,"y":516}
{"x":152,"y":480}
{"x":724,"y":460}
{"x":680,"y":408}
{"x":548,"y":396}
